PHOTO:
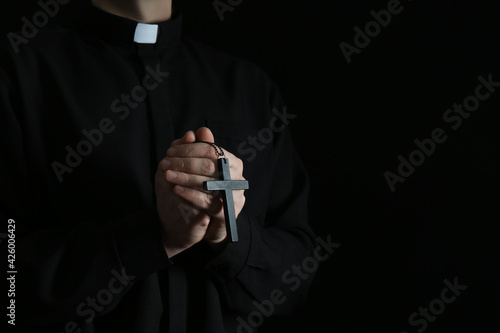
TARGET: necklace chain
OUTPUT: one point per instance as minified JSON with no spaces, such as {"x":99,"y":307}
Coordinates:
{"x":218,"y":149}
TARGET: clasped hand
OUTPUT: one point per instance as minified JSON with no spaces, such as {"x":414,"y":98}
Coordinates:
{"x":187,"y":212}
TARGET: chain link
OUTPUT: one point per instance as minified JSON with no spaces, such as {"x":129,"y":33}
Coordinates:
{"x":218,"y":149}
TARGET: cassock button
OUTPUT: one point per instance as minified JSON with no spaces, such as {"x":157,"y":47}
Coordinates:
{"x":146,"y":33}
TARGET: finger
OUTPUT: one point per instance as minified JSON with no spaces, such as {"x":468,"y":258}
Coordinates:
{"x":163,"y":165}
{"x":201,"y":200}
{"x":189,"y":137}
{"x":176,"y":142}
{"x":235,"y":166}
{"x":204,"y":134}
{"x":179,"y":164}
{"x":195,"y":166}
{"x":194,"y":182}
{"x":198,"y":149}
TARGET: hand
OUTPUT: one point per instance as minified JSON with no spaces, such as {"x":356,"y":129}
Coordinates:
{"x":190,"y":164}
{"x":183,"y":225}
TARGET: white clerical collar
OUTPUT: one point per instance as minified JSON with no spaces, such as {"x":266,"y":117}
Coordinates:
{"x":146,"y":33}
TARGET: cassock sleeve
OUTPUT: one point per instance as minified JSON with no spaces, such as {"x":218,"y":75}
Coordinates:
{"x":61,"y":263}
{"x":260,"y":267}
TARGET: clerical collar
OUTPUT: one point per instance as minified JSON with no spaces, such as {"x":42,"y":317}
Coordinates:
{"x":125,"y":31}
{"x":146,"y":33}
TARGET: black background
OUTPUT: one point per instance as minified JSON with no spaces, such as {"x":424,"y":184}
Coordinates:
{"x":353,"y":121}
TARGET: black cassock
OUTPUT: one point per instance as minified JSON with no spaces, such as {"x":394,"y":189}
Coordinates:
{"x":86,"y":115}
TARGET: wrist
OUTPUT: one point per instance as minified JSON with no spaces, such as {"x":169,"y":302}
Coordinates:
{"x":170,"y":248}
{"x":171,"y":252}
{"x":218,"y":246}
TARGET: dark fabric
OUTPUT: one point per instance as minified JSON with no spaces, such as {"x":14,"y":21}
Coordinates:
{"x":80,"y":143}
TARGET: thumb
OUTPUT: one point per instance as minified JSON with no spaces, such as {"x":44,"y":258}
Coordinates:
{"x":204,"y":134}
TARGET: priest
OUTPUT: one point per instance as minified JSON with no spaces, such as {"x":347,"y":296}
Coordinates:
{"x":114,"y":129}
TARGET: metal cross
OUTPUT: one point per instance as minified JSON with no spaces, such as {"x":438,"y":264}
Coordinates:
{"x":227,"y":186}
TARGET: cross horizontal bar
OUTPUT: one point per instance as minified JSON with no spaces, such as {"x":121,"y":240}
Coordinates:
{"x":225,"y":185}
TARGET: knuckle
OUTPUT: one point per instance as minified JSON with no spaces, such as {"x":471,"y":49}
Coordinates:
{"x":238,"y":164}
{"x":193,"y":196}
{"x":207,"y":200}
{"x":209,"y":151}
{"x":183,"y":164}
{"x":204,"y":223}
{"x":202,"y":200}
{"x":208,"y":167}
{"x":182,"y":179}
{"x":197,"y":197}
{"x":188,"y":180}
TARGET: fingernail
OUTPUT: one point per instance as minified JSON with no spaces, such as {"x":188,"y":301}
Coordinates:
{"x":179,"y":189}
{"x":171,"y":175}
{"x":167,"y":164}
